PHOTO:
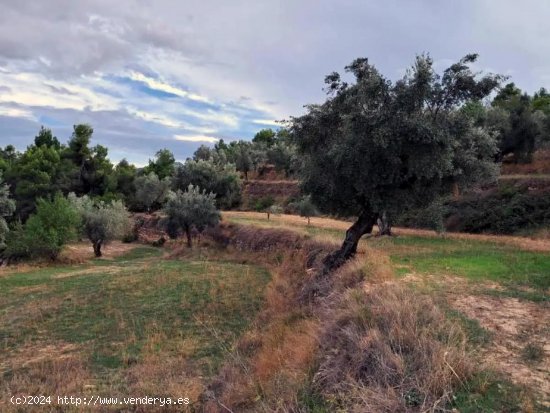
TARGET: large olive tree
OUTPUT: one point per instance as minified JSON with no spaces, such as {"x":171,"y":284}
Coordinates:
{"x":378,"y":147}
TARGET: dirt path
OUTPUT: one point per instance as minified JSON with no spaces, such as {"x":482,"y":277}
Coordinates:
{"x":516,"y":327}
{"x":528,"y":244}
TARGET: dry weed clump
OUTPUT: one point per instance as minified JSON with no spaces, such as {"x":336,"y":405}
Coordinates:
{"x":259,"y":239}
{"x":63,"y":375}
{"x":389,"y":349}
{"x":272,"y":360}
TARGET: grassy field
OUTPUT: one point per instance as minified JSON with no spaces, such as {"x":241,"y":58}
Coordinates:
{"x":123,"y":326}
{"x":474,"y":257}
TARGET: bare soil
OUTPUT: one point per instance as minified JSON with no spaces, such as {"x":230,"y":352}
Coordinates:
{"x":514,"y":324}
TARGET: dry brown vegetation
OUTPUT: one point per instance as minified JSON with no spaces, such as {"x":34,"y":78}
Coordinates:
{"x":539,"y":165}
{"x":353,"y":340}
{"x":296,"y":223}
{"x":278,"y":190}
{"x":516,"y":326}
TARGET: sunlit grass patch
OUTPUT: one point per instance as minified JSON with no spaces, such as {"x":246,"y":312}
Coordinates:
{"x":471,"y":259}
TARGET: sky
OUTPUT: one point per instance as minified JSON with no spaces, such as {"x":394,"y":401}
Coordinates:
{"x":180,"y":73}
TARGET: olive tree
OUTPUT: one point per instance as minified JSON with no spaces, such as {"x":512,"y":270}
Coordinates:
{"x":151,"y":190}
{"x":222,"y":180}
{"x":7,"y":208}
{"x":192,"y":209}
{"x":101,"y":222}
{"x":273,"y":210}
{"x":305,"y":208}
{"x":376,"y":146}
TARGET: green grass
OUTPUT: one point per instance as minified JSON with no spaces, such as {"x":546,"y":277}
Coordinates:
{"x":488,"y":393}
{"x":475,"y":260}
{"x":124,"y":309}
{"x":477,"y":335}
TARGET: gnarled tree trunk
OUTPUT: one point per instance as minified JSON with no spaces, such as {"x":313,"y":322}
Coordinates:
{"x":384,"y":225}
{"x":97,"y":248}
{"x":189,"y":238}
{"x":362,"y":226}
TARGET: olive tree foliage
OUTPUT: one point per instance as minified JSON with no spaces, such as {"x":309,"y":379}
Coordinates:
{"x":7,"y":208}
{"x":188,"y":210}
{"x":375,"y":146}
{"x":305,"y":207}
{"x":519,"y":126}
{"x":274,"y":210}
{"x":101,"y":222}
{"x":150,"y":190}
{"x":220,"y":179}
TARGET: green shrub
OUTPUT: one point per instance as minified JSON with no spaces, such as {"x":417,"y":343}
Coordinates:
{"x":46,"y":231}
{"x":263,"y":203}
{"x":17,"y":246}
{"x":504,"y":210}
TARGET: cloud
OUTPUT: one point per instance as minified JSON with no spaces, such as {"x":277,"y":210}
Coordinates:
{"x":144,"y":72}
{"x":157,"y":118}
{"x":196,"y":138}
{"x":15,"y":112}
{"x":266,"y":122}
{"x":165,"y":87}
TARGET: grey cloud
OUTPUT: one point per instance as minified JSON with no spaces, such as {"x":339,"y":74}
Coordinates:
{"x":275,"y":54}
{"x":60,"y":90}
{"x":64,"y":37}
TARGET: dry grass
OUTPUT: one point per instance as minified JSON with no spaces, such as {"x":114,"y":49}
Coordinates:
{"x":390,"y":350}
{"x":540,"y":165}
{"x":515,"y":325}
{"x":81,"y":252}
{"x":272,"y":360}
{"x":131,"y":326}
{"x":54,"y":374}
{"x":381,"y":348}
{"x":296,"y":223}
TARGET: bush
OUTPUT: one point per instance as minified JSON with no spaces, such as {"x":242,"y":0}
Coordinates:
{"x":504,"y":210}
{"x":17,"y":245}
{"x":46,"y":231}
{"x":220,"y":179}
{"x":263,"y":203}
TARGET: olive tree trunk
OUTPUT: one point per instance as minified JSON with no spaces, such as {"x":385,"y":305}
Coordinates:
{"x":362,"y":226}
{"x":97,"y":248}
{"x":189,"y":238}
{"x":384,"y":225}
